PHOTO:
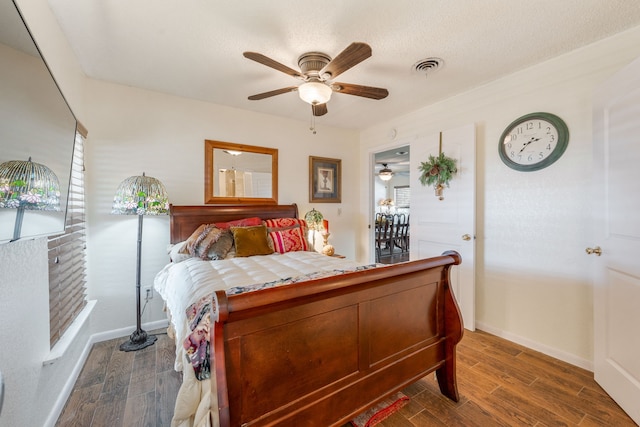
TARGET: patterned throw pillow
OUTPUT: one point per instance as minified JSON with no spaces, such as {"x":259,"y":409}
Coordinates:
{"x":288,"y":234}
{"x":208,"y":242}
{"x":277,"y":224}
{"x":289,"y":240}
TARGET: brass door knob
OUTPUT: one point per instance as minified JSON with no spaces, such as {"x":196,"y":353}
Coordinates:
{"x":466,"y":237}
{"x":595,"y":250}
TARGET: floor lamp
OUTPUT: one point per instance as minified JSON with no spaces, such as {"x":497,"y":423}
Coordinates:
{"x":25,"y":185}
{"x":140,"y":195}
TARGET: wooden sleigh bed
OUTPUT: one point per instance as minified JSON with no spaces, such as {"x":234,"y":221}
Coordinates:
{"x":318,"y":353}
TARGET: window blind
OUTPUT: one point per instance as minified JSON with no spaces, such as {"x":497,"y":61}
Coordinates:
{"x":402,"y":196}
{"x":67,"y":272}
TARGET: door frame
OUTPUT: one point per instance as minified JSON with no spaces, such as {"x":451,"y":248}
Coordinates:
{"x":371,"y":203}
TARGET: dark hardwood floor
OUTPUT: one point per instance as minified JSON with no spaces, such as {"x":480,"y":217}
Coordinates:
{"x":500,"y":384}
{"x":394,"y":257}
{"x":117,"y":388}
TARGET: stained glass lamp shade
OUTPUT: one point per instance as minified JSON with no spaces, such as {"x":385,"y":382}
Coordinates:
{"x":26,"y":185}
{"x":314,"y":222}
{"x":314,"y":219}
{"x":140,"y":195}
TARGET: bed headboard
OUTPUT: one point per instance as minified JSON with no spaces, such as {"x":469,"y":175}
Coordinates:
{"x":185,"y":219}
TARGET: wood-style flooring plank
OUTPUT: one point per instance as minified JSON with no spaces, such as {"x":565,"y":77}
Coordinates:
{"x":80,"y":406}
{"x":140,"y":410}
{"x":119,"y":371}
{"x":167,"y":386}
{"x":143,"y":376}
{"x":94,"y":370}
{"x":110,"y":408}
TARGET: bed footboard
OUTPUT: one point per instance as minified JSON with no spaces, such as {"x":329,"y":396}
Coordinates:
{"x":321,"y":352}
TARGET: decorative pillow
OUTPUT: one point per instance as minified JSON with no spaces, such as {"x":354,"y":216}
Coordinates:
{"x":284,"y":223}
{"x":175,"y":253}
{"x":221,"y":247}
{"x":210,"y":236}
{"x":289,"y":240}
{"x":251,"y":241}
{"x":244,"y":222}
{"x":192,"y":241}
{"x":296,"y":241}
{"x":208,"y":242}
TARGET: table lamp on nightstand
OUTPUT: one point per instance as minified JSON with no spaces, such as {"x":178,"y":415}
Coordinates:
{"x":327,"y":249}
{"x":314,"y":220}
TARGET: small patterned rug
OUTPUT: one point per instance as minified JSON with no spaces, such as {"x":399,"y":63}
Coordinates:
{"x":381,"y":411}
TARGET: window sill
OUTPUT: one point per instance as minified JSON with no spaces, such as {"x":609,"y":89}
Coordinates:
{"x":67,"y":339}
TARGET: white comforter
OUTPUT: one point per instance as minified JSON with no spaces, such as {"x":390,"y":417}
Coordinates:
{"x":184,"y":283}
{"x":181,"y":284}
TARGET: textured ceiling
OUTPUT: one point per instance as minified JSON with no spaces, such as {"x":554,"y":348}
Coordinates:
{"x":193,"y":48}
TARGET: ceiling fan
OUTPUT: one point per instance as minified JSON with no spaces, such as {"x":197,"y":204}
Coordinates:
{"x":385,"y":173}
{"x":318,"y":70}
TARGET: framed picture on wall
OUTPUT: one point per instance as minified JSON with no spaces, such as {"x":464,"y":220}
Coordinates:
{"x":325,"y":180}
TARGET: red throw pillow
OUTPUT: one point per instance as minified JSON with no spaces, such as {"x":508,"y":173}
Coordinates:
{"x":284,"y":223}
{"x":244,"y":222}
{"x":289,"y":240}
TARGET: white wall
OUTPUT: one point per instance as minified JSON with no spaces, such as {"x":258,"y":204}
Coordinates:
{"x":533,"y":278}
{"x":133,"y":130}
{"x":32,"y":389}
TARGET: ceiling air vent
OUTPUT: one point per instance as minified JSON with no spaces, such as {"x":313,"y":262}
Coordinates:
{"x":427,"y":66}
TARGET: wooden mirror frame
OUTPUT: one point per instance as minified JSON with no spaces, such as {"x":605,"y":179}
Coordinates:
{"x":209,"y":184}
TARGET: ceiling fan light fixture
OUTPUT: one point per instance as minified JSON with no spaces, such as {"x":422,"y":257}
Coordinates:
{"x":314,"y":93}
{"x":385,"y":173}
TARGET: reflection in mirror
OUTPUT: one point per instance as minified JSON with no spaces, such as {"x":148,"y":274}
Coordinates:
{"x":35,"y":123}
{"x":236,"y":173}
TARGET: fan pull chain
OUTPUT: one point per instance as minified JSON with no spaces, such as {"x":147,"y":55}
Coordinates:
{"x":312,"y":126}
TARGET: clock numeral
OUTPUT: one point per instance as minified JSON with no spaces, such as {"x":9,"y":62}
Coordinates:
{"x":540,"y":155}
{"x":549,"y":147}
{"x":548,"y":130}
{"x":530,"y":126}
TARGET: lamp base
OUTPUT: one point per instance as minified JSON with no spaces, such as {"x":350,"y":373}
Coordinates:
{"x":138,"y":340}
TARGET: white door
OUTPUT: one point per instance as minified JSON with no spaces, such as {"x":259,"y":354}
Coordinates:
{"x":447,"y":224}
{"x":616,"y":295}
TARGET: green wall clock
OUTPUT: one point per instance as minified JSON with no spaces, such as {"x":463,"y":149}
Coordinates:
{"x":533,"y":142}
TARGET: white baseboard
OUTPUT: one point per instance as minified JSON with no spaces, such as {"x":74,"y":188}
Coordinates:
{"x":94,"y":338}
{"x":542,"y":348}
{"x":124,"y":332}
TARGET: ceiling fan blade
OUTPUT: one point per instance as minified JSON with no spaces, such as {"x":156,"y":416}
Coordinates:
{"x":359,"y":90}
{"x":264,"y":60}
{"x":273,"y":93}
{"x":354,"y":54}
{"x":319,"y":109}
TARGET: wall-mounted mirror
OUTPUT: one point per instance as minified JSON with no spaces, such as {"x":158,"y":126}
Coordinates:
{"x":240,"y":174}
{"x":35,"y":122}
